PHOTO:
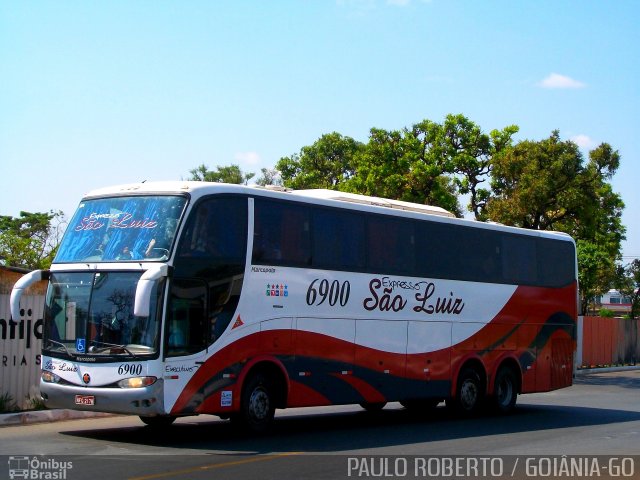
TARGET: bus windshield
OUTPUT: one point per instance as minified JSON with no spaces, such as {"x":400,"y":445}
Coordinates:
{"x":121,"y":229}
{"x":91,"y":313}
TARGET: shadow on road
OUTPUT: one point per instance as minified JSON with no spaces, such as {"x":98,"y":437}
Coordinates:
{"x":630,"y":379}
{"x":336,"y":432}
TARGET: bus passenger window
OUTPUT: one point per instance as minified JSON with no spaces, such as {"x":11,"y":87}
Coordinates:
{"x":281,"y":234}
{"x":338,"y":240}
{"x":519,"y":259}
{"x":391,"y":246}
{"x":216,"y":230}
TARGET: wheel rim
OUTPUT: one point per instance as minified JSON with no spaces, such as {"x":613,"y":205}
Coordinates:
{"x":468,"y":394}
{"x":505,"y":392}
{"x":259,"y":404}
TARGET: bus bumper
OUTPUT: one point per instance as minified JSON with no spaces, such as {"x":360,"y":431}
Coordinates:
{"x":145,"y":401}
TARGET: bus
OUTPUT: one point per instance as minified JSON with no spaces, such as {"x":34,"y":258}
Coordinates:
{"x":170,"y":299}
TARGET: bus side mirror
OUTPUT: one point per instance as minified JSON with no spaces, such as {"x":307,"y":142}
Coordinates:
{"x":142,"y":303}
{"x":21,"y":285}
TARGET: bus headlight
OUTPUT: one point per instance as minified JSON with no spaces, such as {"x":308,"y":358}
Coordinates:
{"x":49,"y":377}
{"x":137,"y":382}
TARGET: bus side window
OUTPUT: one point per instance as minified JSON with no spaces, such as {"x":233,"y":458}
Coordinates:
{"x":338,"y":240}
{"x":282,"y":234}
{"x":391,"y":245}
{"x":186,"y":330}
{"x":519,"y":260}
{"x":216,"y":230}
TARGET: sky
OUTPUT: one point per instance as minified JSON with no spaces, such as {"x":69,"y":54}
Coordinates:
{"x":100,"y":93}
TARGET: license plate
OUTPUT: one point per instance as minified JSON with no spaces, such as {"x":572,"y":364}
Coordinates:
{"x":85,"y":400}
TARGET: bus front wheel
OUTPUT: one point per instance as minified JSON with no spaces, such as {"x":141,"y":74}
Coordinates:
{"x":257,"y":407}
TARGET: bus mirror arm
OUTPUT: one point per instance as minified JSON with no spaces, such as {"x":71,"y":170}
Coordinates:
{"x":21,"y":285}
{"x":142,"y":304}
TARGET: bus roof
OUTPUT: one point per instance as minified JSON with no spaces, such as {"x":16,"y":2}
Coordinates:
{"x":376,"y":201}
{"x":325,"y":196}
{"x":190,"y":186}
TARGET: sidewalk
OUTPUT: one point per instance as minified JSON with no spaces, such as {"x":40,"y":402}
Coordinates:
{"x":40,"y":416}
{"x":585,"y":371}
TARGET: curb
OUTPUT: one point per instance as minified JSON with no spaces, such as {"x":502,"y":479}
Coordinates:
{"x":41,"y":416}
{"x":586,"y":371}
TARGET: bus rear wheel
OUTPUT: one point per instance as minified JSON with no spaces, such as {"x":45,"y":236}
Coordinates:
{"x":505,"y":392}
{"x":469,"y":392}
{"x":257,"y":407}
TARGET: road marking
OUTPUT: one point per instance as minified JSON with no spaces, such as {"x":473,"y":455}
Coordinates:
{"x":213,"y":466}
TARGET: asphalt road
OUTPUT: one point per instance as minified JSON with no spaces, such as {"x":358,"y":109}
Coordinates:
{"x":599,"y":415}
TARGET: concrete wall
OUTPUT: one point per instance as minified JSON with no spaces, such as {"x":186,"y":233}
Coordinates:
{"x":20,"y":340}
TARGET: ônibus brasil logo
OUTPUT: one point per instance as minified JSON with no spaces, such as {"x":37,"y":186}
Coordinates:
{"x":38,"y":468}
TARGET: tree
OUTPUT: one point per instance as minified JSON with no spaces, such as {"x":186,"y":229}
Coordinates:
{"x":270,"y":176}
{"x":230,"y":174}
{"x":405,"y":165}
{"x":629,"y":285}
{"x":30,"y":240}
{"x":471,"y":153}
{"x":596,"y":271}
{"x":546,"y":185}
{"x":537,"y":185}
{"x":327,"y":163}
{"x":427,"y":163}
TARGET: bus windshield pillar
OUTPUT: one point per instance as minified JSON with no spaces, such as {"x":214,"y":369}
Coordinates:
{"x":142,"y":303}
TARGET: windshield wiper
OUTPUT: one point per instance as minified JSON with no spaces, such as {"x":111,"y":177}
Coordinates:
{"x":109,"y":346}
{"x":62,"y":345}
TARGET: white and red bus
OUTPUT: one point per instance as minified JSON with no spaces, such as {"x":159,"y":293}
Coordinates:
{"x":184,"y":298}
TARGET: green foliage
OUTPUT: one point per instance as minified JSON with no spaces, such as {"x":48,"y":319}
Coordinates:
{"x":606,"y":313}
{"x":628,"y":283}
{"x":596,"y":270}
{"x":538,"y":185}
{"x":7,"y":404}
{"x":30,"y":240}
{"x":328,"y":163}
{"x":229,"y":174}
{"x":406,"y":165}
{"x":270,"y":176}
{"x":36,"y":403}
{"x":470,"y":155}
{"x":428,"y":163}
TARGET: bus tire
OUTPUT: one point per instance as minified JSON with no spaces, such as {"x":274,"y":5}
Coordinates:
{"x":373,"y":406}
{"x":161,"y":421}
{"x":257,"y":407}
{"x":469,"y":392}
{"x":505,"y":390}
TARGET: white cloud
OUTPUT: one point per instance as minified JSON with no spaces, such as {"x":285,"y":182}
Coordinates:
{"x":555,"y":80}
{"x":248,"y":158}
{"x":583,"y":141}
